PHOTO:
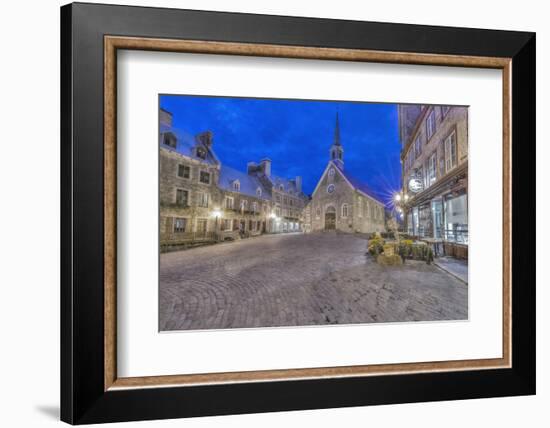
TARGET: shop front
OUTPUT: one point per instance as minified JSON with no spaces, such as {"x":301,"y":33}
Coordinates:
{"x":439,"y":216}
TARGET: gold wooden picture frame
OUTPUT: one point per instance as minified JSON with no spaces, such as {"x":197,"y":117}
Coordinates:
{"x":114,"y":43}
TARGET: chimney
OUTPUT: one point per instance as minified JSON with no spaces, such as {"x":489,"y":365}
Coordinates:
{"x":298,"y":182}
{"x":206,"y":138}
{"x":251,"y":168}
{"x":265,"y":165}
{"x":165,"y":117}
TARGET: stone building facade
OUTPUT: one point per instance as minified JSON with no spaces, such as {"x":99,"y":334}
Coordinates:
{"x":202,"y":199}
{"x":341,"y":202}
{"x":434,"y":159}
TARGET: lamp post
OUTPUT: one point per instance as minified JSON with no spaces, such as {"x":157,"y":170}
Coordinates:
{"x":400,"y":202}
{"x":216,"y":213}
{"x":273,"y":218}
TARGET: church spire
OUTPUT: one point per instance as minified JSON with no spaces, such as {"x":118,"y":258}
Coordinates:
{"x":337,"y":132}
{"x":336,"y":150}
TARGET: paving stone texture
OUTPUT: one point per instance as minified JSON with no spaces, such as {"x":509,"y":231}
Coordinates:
{"x":299,"y":280}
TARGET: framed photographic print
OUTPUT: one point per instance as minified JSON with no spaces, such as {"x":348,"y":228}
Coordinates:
{"x":266,"y":213}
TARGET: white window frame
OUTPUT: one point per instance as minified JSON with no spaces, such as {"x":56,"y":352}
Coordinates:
{"x":176,"y":197}
{"x":259,"y":192}
{"x":450,"y":143}
{"x":226,"y":200}
{"x":200,"y":219}
{"x":236,"y":185}
{"x":209,"y":176}
{"x":178,"y":171}
{"x":359,"y":207}
{"x":430,"y":125}
{"x":227,"y":221}
{"x":432,"y":166}
{"x":417,"y":146}
{"x":203,"y":199}
{"x":345,"y":210}
{"x":254,"y":206}
{"x":186,"y":221}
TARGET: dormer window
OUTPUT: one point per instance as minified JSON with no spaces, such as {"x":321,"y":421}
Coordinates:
{"x":201,"y":153}
{"x":236,"y":185}
{"x":259,"y":192}
{"x":281,"y":187}
{"x":169,"y":140}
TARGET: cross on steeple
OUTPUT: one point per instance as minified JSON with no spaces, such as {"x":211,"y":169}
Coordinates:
{"x":336,"y":150}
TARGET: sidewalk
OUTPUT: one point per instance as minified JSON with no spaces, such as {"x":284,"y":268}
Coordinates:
{"x":456,"y":267}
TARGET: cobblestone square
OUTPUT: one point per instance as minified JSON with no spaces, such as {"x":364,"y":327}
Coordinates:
{"x":299,"y":280}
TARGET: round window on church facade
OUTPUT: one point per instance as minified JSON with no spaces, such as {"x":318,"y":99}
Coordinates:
{"x":330,"y":188}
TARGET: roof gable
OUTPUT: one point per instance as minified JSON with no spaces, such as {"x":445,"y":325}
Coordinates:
{"x":325,"y":172}
{"x":350,"y":180}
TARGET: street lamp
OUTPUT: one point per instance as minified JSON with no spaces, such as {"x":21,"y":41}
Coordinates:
{"x":216,"y":213}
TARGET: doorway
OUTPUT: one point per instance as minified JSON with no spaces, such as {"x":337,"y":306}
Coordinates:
{"x":330,"y":218}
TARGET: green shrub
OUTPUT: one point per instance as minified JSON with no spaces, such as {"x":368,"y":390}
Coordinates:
{"x":409,"y":250}
{"x":376,"y":246}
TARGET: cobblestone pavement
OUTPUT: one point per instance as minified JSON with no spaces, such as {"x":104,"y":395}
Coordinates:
{"x":291,"y":280}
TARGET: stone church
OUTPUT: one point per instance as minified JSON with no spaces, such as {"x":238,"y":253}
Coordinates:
{"x":340,"y":202}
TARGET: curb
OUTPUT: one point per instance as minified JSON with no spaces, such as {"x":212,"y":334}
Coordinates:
{"x":450,"y":273}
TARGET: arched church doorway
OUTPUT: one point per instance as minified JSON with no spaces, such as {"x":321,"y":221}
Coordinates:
{"x":330,"y":218}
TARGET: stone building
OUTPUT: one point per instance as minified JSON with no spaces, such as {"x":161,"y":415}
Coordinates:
{"x":341,"y":202}
{"x":434,"y":159}
{"x":287,"y":198}
{"x":202,"y":199}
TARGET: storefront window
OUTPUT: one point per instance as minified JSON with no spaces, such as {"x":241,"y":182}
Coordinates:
{"x":456,"y":219}
{"x":437,"y":213}
{"x":424,"y":222}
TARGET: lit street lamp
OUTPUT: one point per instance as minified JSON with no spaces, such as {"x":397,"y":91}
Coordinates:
{"x":216,"y":213}
{"x":400,"y":203}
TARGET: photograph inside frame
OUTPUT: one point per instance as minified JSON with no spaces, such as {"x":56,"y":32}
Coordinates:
{"x":282,"y":212}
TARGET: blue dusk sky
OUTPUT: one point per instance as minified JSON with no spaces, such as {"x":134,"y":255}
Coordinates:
{"x":296,"y":135}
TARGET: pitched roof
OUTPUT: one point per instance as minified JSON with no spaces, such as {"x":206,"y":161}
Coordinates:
{"x":185,"y":143}
{"x":357,"y":184}
{"x":288,"y":184}
{"x":248,"y":183}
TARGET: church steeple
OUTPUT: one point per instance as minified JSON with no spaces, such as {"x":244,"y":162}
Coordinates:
{"x":336,"y":150}
{"x":337,"y":132}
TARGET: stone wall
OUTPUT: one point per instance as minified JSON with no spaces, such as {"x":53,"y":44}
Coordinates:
{"x":246,"y":220}
{"x":456,"y":120}
{"x":369,"y":219}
